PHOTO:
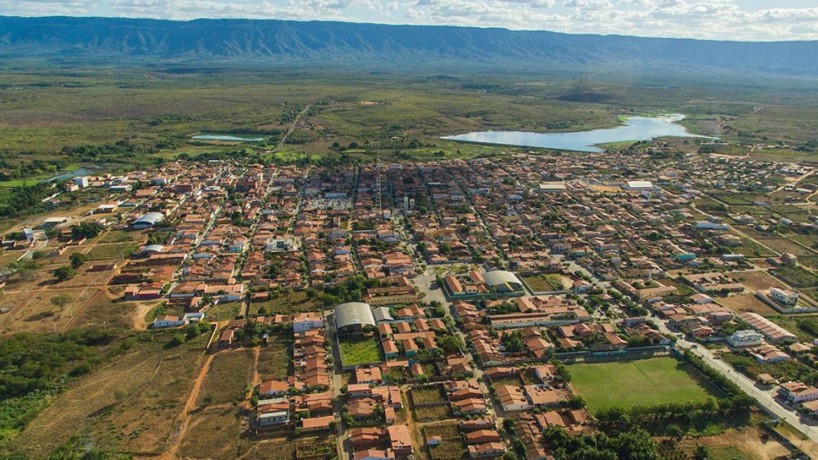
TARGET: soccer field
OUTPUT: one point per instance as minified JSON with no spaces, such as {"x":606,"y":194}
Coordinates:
{"x":643,"y":382}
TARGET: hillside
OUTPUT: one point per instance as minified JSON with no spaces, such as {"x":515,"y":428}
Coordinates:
{"x":74,"y":39}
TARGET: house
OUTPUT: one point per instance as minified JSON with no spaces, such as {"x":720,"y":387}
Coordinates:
{"x":784,"y":296}
{"x":797,"y":392}
{"x":491,"y":449}
{"x":271,"y":388}
{"x":400,"y":440}
{"x":303,"y":322}
{"x":747,"y":338}
{"x":273,"y":418}
{"x":483,"y":436}
{"x":512,"y":398}
{"x":373,"y":454}
{"x":368,"y":375}
{"x":168,"y":321}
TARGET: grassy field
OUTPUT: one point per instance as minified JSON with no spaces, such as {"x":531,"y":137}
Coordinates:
{"x":746,"y":302}
{"x":111,"y":251}
{"x":547,"y":282}
{"x":274,"y":360}
{"x":128,"y":404}
{"x":452,"y":447}
{"x":421,"y":395}
{"x":432,"y":413}
{"x":213,"y":434}
{"x":635,"y":383}
{"x":286,"y":303}
{"x":227,"y":379}
{"x":356,"y":351}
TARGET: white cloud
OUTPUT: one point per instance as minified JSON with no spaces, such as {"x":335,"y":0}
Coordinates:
{"x":722,"y":19}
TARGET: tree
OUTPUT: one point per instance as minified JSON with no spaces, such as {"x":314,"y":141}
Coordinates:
{"x":77,"y":259}
{"x":64,"y":273}
{"x":61,"y":300}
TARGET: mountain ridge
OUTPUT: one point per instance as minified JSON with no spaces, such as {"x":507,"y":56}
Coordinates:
{"x":282,"y":40}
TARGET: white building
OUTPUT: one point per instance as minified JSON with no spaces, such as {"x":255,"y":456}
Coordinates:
{"x":304,"y":322}
{"x":784,"y":296}
{"x":81,"y":181}
{"x":707,"y":225}
{"x":798,"y":392}
{"x":748,"y":338}
{"x":274,"y":418}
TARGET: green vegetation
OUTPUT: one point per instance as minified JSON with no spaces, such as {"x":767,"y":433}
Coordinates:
{"x":545,"y":282}
{"x":35,"y":367}
{"x":357,"y":350}
{"x":111,"y":251}
{"x":629,"y":384}
{"x":797,"y":276}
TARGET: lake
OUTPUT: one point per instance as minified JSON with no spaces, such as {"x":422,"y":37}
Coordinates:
{"x":228,"y":137}
{"x":633,"y":129}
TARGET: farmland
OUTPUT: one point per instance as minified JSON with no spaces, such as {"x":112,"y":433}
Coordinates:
{"x":636,"y":383}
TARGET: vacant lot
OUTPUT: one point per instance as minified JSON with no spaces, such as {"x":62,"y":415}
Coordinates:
{"x":227,"y":379}
{"x":359,"y":350}
{"x":759,"y":280}
{"x":274,"y":360}
{"x":289,"y":302}
{"x":746,"y":302}
{"x":746,"y":444}
{"x":797,"y":276}
{"x":36,"y":312}
{"x":426,"y":395}
{"x":225,"y":311}
{"x":128,"y":404}
{"x":452,"y":446}
{"x":111,"y":251}
{"x":101,"y":310}
{"x":636,"y":383}
{"x":548,"y":282}
{"x":432,"y":413}
{"x":213,"y":434}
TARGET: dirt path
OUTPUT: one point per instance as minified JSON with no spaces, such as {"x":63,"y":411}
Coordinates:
{"x":183,"y":420}
{"x":292,"y":128}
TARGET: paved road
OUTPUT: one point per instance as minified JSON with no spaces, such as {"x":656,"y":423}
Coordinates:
{"x":765,"y":398}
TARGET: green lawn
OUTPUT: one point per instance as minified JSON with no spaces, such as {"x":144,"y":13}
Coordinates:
{"x":359,"y":350}
{"x":635,"y":383}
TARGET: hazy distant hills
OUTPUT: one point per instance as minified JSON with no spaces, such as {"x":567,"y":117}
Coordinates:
{"x":73,"y":39}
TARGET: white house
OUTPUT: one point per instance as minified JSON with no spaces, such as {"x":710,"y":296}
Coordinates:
{"x":274,"y":418}
{"x":747,"y":338}
{"x":784,"y":296}
{"x":303,"y":322}
{"x":798,"y":392}
{"x":168,"y":321}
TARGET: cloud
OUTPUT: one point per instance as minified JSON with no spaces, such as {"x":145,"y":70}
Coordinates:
{"x":720,"y":19}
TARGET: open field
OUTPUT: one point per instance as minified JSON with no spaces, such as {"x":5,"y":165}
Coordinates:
{"x":431,"y":394}
{"x":286,"y":303}
{"x":432,"y":413}
{"x":452,"y":447}
{"x":274,"y":360}
{"x":750,"y":443}
{"x":636,"y":383}
{"x":548,"y":282}
{"x":759,"y":280}
{"x":111,"y":251}
{"x":227,"y":379}
{"x":359,"y":350}
{"x":129,"y":403}
{"x":746,"y":302}
{"x":213,"y":434}
{"x":225,"y":311}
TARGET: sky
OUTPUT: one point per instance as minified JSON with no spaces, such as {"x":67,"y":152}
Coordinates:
{"x":755,"y":20}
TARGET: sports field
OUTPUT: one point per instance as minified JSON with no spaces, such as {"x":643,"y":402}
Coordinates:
{"x":643,"y":382}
